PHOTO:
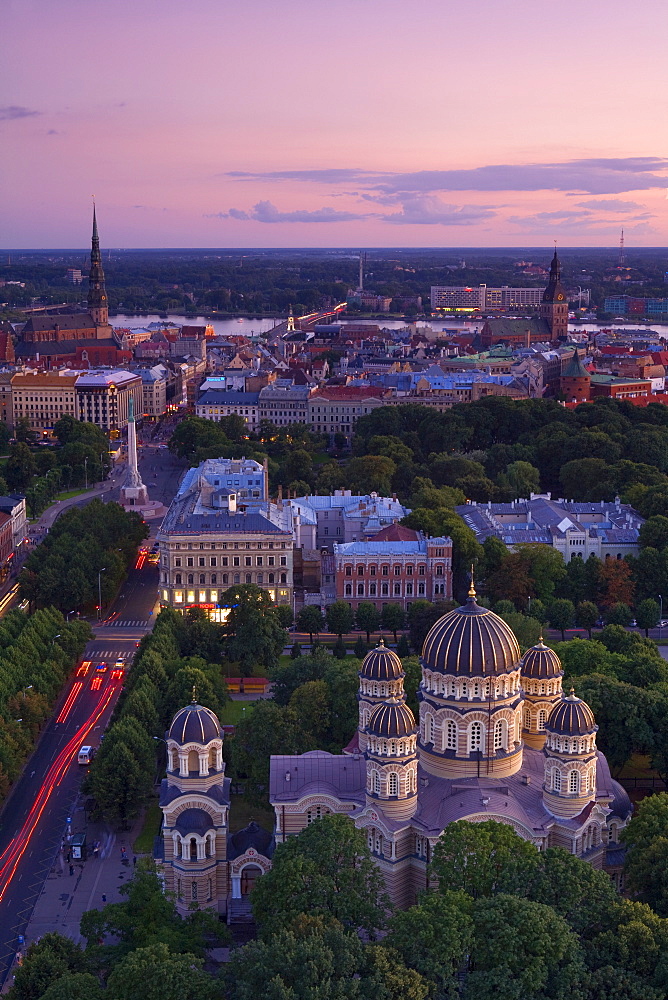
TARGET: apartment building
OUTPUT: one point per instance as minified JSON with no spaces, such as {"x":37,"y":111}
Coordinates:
{"x":217,"y":403}
{"x":103,"y":397}
{"x":42,"y":399}
{"x":336,"y":409}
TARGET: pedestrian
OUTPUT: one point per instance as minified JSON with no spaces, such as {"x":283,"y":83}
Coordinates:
{"x":104,"y":897}
{"x":71,"y":869}
{"x":134,"y":862}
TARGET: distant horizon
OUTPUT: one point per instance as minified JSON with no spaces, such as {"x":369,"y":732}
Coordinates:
{"x":352,"y":249}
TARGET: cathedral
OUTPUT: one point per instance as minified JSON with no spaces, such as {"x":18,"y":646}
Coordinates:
{"x":497,"y":739}
{"x":78,"y":336}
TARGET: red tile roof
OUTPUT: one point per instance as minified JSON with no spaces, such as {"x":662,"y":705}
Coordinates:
{"x":395,"y":533}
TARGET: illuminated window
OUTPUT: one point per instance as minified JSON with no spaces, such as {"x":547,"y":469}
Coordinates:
{"x":191,"y":597}
{"x":178,"y":597}
{"x":214,"y":596}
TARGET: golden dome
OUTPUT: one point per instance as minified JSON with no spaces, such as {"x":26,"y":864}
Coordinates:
{"x":571,"y":717}
{"x":381,"y":664}
{"x":540,"y":662}
{"x":392,"y":718}
{"x":472,"y":641}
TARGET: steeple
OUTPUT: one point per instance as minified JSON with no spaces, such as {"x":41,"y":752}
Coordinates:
{"x":554,"y":304}
{"x":97,"y":293}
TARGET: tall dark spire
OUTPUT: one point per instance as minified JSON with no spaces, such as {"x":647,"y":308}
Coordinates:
{"x":97,"y":293}
{"x":554,"y":304}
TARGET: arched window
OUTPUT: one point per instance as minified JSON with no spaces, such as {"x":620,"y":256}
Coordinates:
{"x":193,"y":849}
{"x":193,"y":892}
{"x":452,"y":688}
{"x":542,"y":719}
{"x":450,"y":735}
{"x":237,"y":578}
{"x":556,"y":779}
{"x":393,"y":784}
{"x":465,"y":689}
{"x":191,"y":579}
{"x":315,"y":813}
{"x":498,"y":735}
{"x":475,"y":737}
{"x":574,"y":781}
{"x":376,"y":782}
{"x":431,"y":729}
{"x":177,"y":579}
{"x":527,"y":719}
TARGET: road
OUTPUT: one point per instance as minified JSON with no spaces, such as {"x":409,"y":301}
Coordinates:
{"x":34,"y":821}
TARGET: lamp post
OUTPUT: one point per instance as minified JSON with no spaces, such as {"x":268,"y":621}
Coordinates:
{"x":70,"y":613}
{"x":86,"y":470}
{"x":26,"y":689}
{"x":99,"y":592}
{"x":55,"y":637}
{"x":660,"y":617}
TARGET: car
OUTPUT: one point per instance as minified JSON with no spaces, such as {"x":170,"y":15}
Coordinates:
{"x":633,"y":623}
{"x":100,"y":668}
{"x":119,"y":664}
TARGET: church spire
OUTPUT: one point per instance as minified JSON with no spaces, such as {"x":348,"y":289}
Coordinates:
{"x":554,"y":304}
{"x":97,"y":294}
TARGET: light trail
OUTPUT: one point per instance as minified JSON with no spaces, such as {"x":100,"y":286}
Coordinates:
{"x":8,"y":598}
{"x":11,"y":857}
{"x":83,"y":668}
{"x":96,"y":684}
{"x":69,"y":701}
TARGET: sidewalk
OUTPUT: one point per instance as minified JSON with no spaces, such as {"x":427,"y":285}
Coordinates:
{"x":95,"y":882}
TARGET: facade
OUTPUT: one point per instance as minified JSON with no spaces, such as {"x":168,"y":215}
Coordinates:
{"x":606,"y":530}
{"x":6,"y":546}
{"x":216,"y":403}
{"x":550,"y":325}
{"x":629,"y":305}
{"x":393,"y":572}
{"x":6,"y":404}
{"x":212,"y":539}
{"x":246,"y":477}
{"x":462,"y":298}
{"x":42,"y":399}
{"x":103,"y":397}
{"x":154,"y":392}
{"x":283,"y":403}
{"x":474,"y":754}
{"x":15,"y":508}
{"x":336,"y":409}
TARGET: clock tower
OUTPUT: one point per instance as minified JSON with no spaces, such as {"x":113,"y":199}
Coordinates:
{"x":554,"y":305}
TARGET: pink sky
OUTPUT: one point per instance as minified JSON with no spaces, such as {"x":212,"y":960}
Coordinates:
{"x":343,"y":123}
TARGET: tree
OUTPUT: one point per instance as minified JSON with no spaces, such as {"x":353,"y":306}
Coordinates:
{"x":50,"y":958}
{"x":434,"y":937}
{"x":392,"y":618}
{"x":156,"y":973}
{"x":285,"y":615}
{"x":544,"y":959}
{"x":340,"y":618}
{"x":360,"y":649}
{"x":119,"y":785}
{"x":367,"y":618}
{"x":647,"y":614}
{"x":618,"y":614}
{"x":370,"y":474}
{"x":545,"y":566}
{"x":523,"y":479}
{"x":646,"y":862}
{"x":311,"y":705}
{"x":422,"y":615}
{"x":586,"y":616}
{"x":561,"y":615}
{"x":309,"y":619}
{"x":20,"y":466}
{"x":269,"y":729}
{"x":326,"y":870}
{"x":75,"y":986}
{"x":616,"y":583}
{"x":482,"y":859}
{"x":254,"y":630}
{"x":654,"y":532}
{"x":403,"y":647}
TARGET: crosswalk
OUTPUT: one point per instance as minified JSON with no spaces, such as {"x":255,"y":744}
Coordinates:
{"x":128,"y":623}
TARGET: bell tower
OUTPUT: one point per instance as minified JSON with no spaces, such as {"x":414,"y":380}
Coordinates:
{"x":554,"y":304}
{"x":98,"y":306}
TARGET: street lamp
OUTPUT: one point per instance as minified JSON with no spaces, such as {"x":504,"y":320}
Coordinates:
{"x":26,"y":689}
{"x":55,"y":637}
{"x":86,"y":470}
{"x":660,"y":617}
{"x":70,"y":613}
{"x":99,"y":592}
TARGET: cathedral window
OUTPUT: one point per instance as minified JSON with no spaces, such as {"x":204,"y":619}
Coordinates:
{"x":393,"y":784}
{"x":573,"y":782}
{"x":431,"y":729}
{"x":465,"y":689}
{"x":316,"y":812}
{"x":450,"y":735}
{"x":452,"y":688}
{"x":209,"y":894}
{"x":193,"y":849}
{"x":476,"y":690}
{"x":498,"y":735}
{"x":376,"y":782}
{"x":475,"y":737}
{"x":542,"y":719}
{"x":349,"y":590}
{"x":556,"y":779}
{"x":193,"y":892}
{"x":527,"y":719}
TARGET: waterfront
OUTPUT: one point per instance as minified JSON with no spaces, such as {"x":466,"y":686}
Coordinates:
{"x":237,"y":325}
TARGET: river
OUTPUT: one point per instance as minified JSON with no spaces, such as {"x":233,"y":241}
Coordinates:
{"x":253,"y":327}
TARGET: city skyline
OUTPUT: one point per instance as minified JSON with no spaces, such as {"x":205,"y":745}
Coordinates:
{"x":214,"y":125}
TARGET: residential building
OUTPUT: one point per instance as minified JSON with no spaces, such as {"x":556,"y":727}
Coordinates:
{"x":336,"y":409}
{"x":344,"y":517}
{"x":14,"y":506}
{"x":73,"y":276}
{"x":6,"y":398}
{"x":283,"y":403}
{"x":384,"y":571}
{"x":154,"y":391}
{"x":103,"y":395}
{"x":6,"y":546}
{"x":630,"y":305}
{"x":463,"y":298}
{"x":42,"y":399}
{"x":246,"y":477}
{"x":217,"y":403}
{"x":210,"y":540}
{"x":606,"y":530}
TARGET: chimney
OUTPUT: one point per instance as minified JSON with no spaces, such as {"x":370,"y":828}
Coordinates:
{"x":280,"y":498}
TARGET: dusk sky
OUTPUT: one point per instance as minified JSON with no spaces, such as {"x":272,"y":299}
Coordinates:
{"x":360,"y":123}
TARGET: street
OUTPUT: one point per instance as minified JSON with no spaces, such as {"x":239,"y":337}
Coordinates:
{"x":34,"y":820}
